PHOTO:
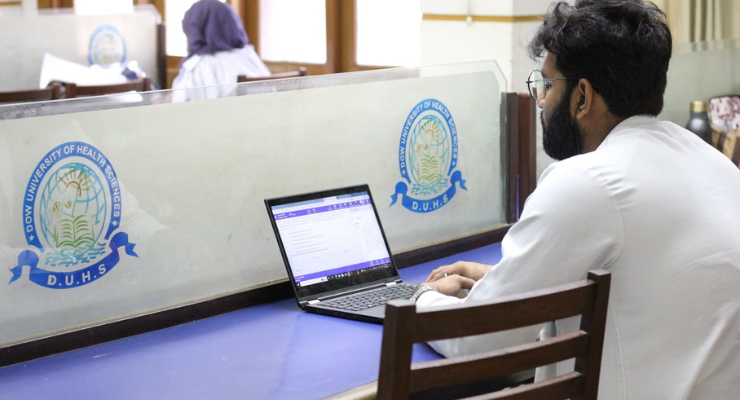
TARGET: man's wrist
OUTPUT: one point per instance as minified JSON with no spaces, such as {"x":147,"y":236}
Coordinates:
{"x":421,"y":289}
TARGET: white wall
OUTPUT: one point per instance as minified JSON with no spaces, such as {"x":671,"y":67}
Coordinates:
{"x":698,"y":73}
{"x":485,"y":7}
{"x":459,"y":40}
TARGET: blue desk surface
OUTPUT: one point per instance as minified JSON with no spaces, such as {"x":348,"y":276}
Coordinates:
{"x":271,"y":351}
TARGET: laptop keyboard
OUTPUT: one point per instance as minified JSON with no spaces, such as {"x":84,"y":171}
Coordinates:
{"x":371,"y":298}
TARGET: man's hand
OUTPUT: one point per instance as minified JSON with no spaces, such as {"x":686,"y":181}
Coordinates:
{"x":452,"y":284}
{"x":465,"y":269}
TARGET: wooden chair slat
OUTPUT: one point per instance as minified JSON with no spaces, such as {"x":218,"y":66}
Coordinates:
{"x":448,"y":372}
{"x":141,"y":85}
{"x":566,"y":386}
{"x":504,"y":314}
{"x":53,"y":92}
{"x":282,"y":75}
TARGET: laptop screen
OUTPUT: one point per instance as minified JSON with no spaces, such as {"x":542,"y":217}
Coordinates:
{"x":332,"y":242}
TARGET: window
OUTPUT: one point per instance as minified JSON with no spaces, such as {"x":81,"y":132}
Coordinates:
{"x":324,"y":36}
{"x":97,"y":7}
{"x":388,"y":32}
{"x":293,"y":30}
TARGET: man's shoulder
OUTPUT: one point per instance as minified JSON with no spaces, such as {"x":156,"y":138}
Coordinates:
{"x":581,"y":164}
{"x":636,"y":139}
{"x":575,"y":175}
{"x":591,"y":175}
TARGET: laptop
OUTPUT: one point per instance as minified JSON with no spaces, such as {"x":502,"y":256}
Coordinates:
{"x":336,"y":253}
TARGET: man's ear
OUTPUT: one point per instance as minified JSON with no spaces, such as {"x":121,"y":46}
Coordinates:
{"x":585,"y":93}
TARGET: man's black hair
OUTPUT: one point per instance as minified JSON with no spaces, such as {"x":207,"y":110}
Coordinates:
{"x":622,"y":47}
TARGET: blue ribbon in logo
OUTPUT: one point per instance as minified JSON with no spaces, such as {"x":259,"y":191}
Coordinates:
{"x":423,"y":206}
{"x":67,"y":280}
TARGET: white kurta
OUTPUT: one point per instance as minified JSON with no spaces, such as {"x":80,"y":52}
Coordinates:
{"x":660,"y":210}
{"x":205,"y":71}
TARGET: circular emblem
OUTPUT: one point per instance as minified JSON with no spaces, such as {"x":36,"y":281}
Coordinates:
{"x":427,"y":158}
{"x":107,"y":46}
{"x":72,"y":215}
{"x":71,"y":209}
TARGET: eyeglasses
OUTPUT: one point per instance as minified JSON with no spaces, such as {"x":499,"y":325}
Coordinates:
{"x":538,"y":85}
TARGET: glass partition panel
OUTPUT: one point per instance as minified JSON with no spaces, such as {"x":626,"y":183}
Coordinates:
{"x":82,"y":39}
{"x":117,"y":206}
{"x":700,"y":71}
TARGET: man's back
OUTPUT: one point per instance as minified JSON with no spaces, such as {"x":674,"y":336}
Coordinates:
{"x":644,"y":199}
{"x":656,"y":207}
{"x":674,"y":319}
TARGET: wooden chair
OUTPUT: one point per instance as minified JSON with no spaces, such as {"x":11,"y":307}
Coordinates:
{"x":141,"y":85}
{"x":53,"y":92}
{"x":291,"y":74}
{"x":404,"y":326}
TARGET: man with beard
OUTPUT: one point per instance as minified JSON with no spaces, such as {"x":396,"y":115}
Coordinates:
{"x":644,"y":199}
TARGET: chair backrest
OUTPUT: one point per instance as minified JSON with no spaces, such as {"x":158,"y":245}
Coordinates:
{"x":140,"y":85}
{"x":404,"y":326}
{"x":53,"y":92}
{"x":291,"y":74}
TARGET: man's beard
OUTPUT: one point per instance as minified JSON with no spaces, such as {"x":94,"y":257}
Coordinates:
{"x":560,"y":135}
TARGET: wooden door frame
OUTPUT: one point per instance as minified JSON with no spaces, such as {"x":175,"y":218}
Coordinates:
{"x":45,"y":4}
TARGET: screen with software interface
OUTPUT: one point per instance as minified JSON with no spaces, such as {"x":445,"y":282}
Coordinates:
{"x":333,"y":242}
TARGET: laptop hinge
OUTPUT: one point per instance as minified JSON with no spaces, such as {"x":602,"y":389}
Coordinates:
{"x":312,"y":302}
{"x":349,"y":292}
{"x":391,"y":283}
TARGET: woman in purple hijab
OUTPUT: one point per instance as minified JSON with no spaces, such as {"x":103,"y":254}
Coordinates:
{"x":218,"y":50}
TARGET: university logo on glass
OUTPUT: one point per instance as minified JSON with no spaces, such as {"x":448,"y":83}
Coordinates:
{"x":71,"y":211}
{"x":427,"y":158}
{"x":107,"y":46}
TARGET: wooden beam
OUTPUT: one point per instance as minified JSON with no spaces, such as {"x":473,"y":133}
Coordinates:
{"x":249,"y":12}
{"x":348,"y":36}
{"x":333,"y":37}
{"x":510,"y":154}
{"x":162,"y":56}
{"x":483,"y":18}
{"x":527,"y":148}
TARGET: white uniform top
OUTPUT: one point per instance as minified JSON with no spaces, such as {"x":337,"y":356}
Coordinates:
{"x":220,"y":68}
{"x":660,"y":210}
